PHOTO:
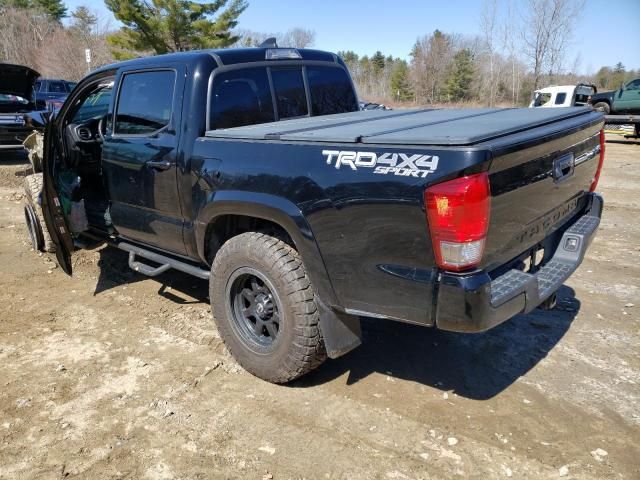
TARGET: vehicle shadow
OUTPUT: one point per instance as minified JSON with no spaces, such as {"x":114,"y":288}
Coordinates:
{"x":14,"y":157}
{"x":475,"y":366}
{"x":624,"y":141}
{"x":173,"y":285}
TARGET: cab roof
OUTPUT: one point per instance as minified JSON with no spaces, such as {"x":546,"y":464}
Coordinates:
{"x":223,"y":57}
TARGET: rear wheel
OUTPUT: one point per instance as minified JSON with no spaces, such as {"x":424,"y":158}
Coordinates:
{"x":602,"y":107}
{"x":264,"y":307}
{"x":36,"y":226}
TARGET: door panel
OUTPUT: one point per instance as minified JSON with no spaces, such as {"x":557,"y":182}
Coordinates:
{"x":51,"y":206}
{"x":140,"y":155}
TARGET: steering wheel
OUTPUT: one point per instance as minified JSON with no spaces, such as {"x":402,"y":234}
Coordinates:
{"x":101,"y":128}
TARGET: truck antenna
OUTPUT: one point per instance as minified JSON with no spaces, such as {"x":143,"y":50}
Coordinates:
{"x":269,"y":43}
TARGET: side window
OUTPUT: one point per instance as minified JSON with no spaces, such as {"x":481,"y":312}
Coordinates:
{"x":144,"y":102}
{"x":331,"y":91}
{"x":291,"y":98}
{"x":542,"y":99}
{"x":633,"y":85}
{"x":36,"y":88}
{"x":241,"y":97}
{"x":560,"y":98}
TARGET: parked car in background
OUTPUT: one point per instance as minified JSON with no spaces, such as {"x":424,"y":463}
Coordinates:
{"x":563,"y":96}
{"x":364,"y":105}
{"x":625,"y":100}
{"x":20,"y":113}
{"x":53,"y":91}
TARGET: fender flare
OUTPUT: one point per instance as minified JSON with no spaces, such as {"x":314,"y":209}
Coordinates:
{"x":341,"y":332}
{"x":275,"y":209}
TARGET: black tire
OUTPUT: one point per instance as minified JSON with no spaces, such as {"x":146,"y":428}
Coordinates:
{"x":280,"y":341}
{"x":602,"y":107}
{"x":38,"y":233}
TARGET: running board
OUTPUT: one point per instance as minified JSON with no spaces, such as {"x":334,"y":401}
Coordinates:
{"x":165,"y":263}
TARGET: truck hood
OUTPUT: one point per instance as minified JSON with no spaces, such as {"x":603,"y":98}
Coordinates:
{"x":17,"y":80}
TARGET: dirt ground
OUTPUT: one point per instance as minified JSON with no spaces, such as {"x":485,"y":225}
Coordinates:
{"x":110,"y":374}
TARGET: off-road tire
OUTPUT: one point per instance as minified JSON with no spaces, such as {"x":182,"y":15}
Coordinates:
{"x":602,"y":107}
{"x":32,"y":189}
{"x":298,"y":347}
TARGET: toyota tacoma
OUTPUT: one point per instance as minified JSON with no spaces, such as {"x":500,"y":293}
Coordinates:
{"x":255,"y":170}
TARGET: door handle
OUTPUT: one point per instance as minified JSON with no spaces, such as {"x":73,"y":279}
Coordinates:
{"x":160,"y":165}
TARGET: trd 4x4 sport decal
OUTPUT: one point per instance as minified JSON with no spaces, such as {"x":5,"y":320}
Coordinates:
{"x":402,"y":164}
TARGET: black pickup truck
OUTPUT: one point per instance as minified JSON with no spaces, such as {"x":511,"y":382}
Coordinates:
{"x":255,"y":170}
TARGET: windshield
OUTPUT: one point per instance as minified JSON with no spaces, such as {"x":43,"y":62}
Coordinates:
{"x":95,"y":106}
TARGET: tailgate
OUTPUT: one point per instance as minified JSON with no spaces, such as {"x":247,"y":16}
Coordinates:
{"x":538,"y":184}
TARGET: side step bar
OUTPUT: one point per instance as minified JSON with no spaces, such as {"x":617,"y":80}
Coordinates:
{"x":165,"y":263}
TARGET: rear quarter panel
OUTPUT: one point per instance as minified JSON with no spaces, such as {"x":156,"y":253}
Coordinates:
{"x":370,"y":229}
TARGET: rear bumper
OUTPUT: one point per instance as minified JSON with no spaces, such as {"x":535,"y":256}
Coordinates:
{"x":475,"y":302}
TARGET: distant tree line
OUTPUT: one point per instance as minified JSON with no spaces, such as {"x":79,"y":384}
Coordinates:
{"x":521,"y":46}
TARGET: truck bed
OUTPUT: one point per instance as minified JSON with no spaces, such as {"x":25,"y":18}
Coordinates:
{"x":446,"y":127}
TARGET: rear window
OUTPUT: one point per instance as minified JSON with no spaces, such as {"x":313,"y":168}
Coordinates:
{"x":246,"y":96}
{"x":291,"y":98}
{"x":57,"y":87}
{"x":331,"y":91}
{"x":241,"y":97}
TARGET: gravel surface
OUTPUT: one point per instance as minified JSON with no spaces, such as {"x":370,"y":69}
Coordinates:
{"x":112,"y":375}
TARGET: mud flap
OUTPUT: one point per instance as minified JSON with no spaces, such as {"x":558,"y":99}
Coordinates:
{"x":341,"y":332}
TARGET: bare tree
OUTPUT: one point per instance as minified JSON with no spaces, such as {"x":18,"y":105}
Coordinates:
{"x":488,"y":24}
{"x":294,"y":38}
{"x":22,"y":33}
{"x":546,"y":29}
{"x":63,"y":55}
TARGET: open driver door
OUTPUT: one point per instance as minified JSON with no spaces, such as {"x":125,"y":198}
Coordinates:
{"x":51,"y":207}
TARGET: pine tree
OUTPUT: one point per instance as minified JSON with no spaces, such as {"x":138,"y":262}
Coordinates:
{"x":458,"y":84}
{"x":400,"y":86}
{"x":164,"y":26}
{"x":378,"y":62}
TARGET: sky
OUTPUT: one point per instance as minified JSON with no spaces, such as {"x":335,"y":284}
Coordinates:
{"x":607,"y":32}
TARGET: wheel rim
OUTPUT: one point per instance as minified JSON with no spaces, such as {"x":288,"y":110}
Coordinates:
{"x":32,"y":228}
{"x":255,"y":309}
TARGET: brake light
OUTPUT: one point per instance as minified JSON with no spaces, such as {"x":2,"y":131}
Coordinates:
{"x":594,"y":183}
{"x":458,"y":218}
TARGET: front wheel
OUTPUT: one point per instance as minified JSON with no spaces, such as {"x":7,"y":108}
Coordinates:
{"x":37,"y":228}
{"x":263,"y":304}
{"x":602,"y":107}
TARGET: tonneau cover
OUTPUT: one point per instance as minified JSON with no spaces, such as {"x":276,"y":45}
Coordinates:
{"x":407,"y":127}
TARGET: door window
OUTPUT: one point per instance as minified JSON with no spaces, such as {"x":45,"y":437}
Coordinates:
{"x":291,"y":98}
{"x":633,"y":85}
{"x":144,"y":102}
{"x":241,"y":97}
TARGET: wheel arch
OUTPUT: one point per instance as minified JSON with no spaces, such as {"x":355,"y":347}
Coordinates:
{"x":268,"y":210}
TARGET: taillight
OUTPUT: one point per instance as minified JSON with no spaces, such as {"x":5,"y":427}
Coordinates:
{"x":594,"y":183}
{"x":458,"y":217}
